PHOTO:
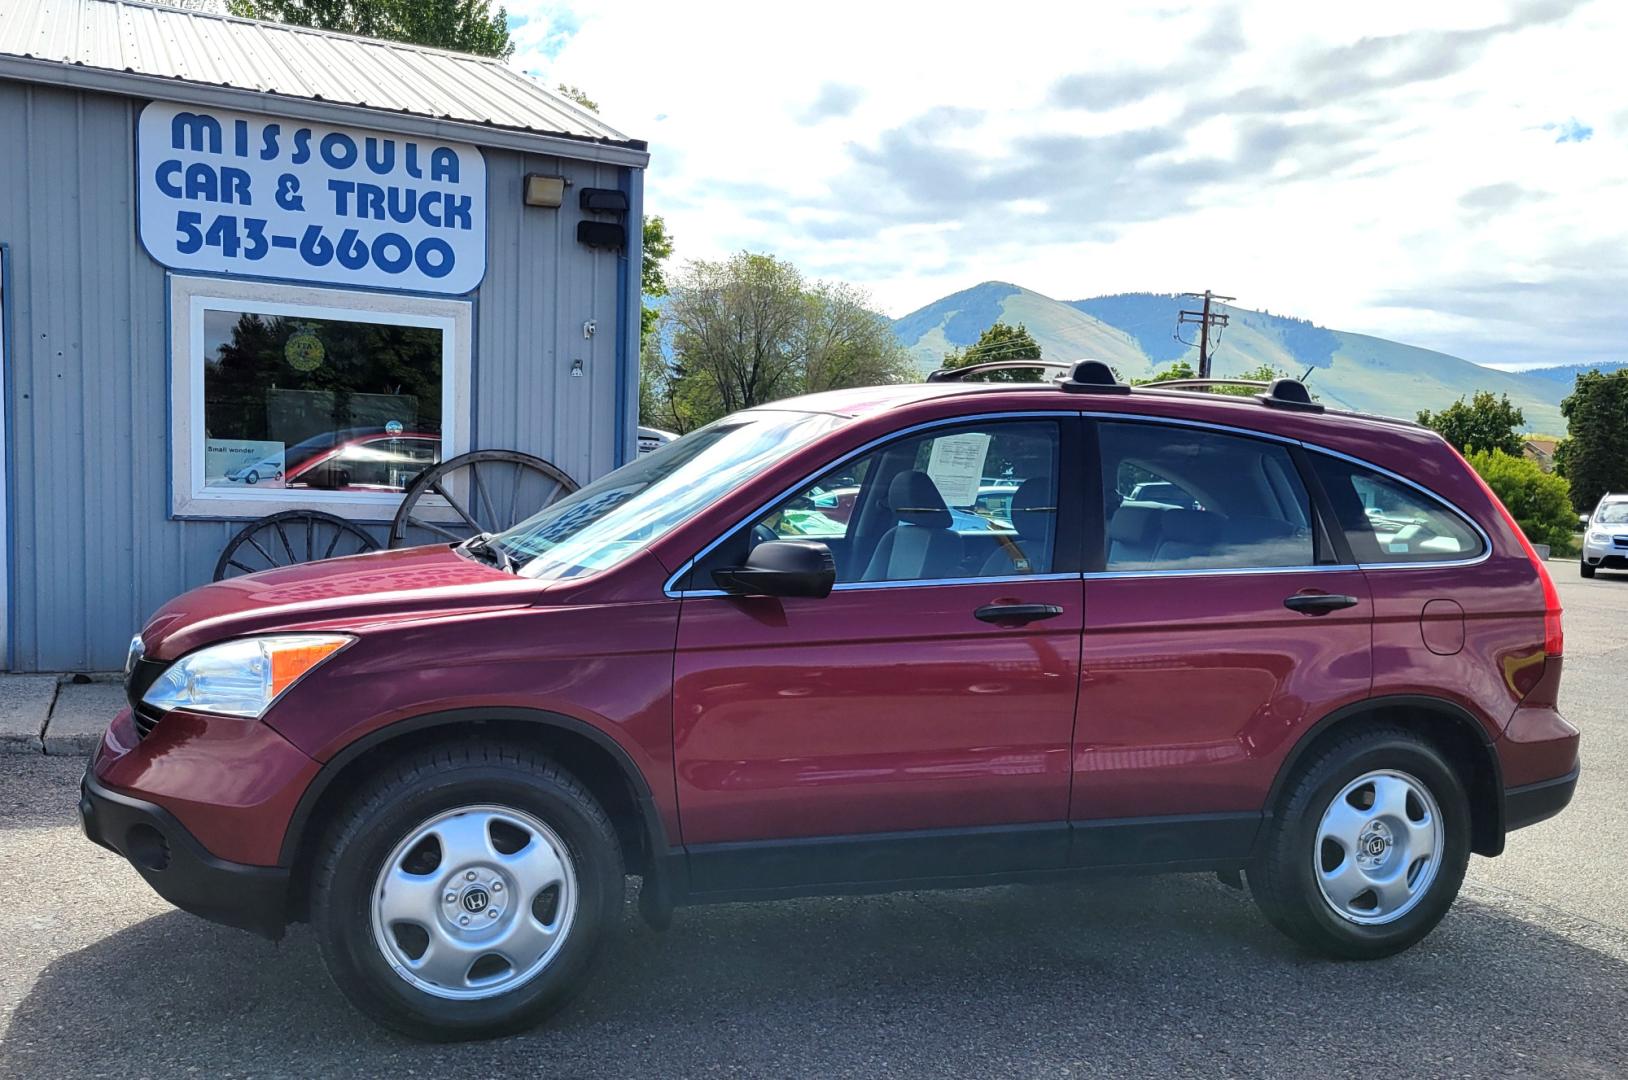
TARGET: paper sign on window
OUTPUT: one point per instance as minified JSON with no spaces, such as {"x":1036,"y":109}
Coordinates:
{"x":957,"y":467}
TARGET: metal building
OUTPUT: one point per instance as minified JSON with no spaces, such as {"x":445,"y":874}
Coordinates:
{"x":223,"y":242}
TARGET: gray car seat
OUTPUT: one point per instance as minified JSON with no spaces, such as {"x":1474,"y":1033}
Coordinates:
{"x":922,"y":545}
{"x":1034,"y":516}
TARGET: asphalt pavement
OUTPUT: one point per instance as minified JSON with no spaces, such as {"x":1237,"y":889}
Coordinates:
{"x":1163,"y":976}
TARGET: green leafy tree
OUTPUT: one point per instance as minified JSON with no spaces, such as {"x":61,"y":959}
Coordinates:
{"x":469,"y":26}
{"x":751,"y":329}
{"x":658,"y":248}
{"x":1594,"y":457}
{"x":578,"y":95}
{"x":1000,"y":342}
{"x":1484,"y":423}
{"x":1540,"y":501}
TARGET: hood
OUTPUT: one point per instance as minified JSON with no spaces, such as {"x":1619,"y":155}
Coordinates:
{"x":348,"y":591}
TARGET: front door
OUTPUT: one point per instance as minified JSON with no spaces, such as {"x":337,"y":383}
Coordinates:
{"x":1219,"y":626}
{"x":916,"y":722}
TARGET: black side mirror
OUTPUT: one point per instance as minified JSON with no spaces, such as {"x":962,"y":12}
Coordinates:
{"x":782,"y":568}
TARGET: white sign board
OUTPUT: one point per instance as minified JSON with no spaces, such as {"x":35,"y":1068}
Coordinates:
{"x":957,"y":467}
{"x":236,"y":193}
{"x":242,"y":461}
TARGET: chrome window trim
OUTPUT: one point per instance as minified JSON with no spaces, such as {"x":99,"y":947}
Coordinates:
{"x":669,"y":587}
{"x":1315,"y":448}
{"x":911,"y":583}
{"x":669,"y":590}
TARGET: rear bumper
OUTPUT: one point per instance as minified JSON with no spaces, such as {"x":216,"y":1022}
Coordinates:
{"x":176,"y":865}
{"x":1532,"y":803}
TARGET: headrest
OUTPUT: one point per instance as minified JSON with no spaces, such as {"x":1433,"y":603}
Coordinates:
{"x":1189,"y":526}
{"x":914,"y":498}
{"x":1135,"y":524}
{"x":1033,"y":507}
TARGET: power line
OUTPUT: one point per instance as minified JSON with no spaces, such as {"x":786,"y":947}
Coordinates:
{"x":1203,"y":319}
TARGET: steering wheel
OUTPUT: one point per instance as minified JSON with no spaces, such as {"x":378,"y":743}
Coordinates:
{"x":762,"y":534}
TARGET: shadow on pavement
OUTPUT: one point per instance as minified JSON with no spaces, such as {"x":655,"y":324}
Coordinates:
{"x":1149,"y":976}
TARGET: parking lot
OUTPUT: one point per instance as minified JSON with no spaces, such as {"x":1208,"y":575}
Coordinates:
{"x":1169,"y":976}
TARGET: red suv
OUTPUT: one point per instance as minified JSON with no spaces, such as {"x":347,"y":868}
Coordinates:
{"x":1208,"y":633}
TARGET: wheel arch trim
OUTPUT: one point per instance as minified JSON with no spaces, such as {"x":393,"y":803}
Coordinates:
{"x":1490,"y":841}
{"x":294,"y":837}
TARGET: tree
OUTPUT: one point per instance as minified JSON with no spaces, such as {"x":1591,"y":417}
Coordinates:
{"x":1594,"y":457}
{"x":1540,"y":501}
{"x":468,"y":26}
{"x":1485,"y":423}
{"x":658,"y":248}
{"x":578,"y":95}
{"x":1000,"y":342}
{"x":751,"y":329}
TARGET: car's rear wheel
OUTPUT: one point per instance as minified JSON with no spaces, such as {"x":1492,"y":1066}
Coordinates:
{"x":1588,"y":571}
{"x":1367,"y":848}
{"x":464,"y":892}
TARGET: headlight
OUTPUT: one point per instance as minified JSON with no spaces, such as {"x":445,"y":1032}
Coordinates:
{"x":243,"y":677}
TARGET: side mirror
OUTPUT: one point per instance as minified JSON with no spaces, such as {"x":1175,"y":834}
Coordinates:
{"x":782,"y":568}
{"x":1582,"y":519}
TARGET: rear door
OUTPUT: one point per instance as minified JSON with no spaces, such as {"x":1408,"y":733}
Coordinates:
{"x":1220,"y":623}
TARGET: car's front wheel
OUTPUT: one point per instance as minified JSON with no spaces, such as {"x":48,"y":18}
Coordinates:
{"x":1588,"y":571}
{"x":463,"y":893}
{"x":1367,"y":848}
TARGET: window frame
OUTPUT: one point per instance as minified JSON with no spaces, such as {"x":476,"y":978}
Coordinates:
{"x":1329,"y":551}
{"x":1071,"y":526}
{"x":1338,"y":531}
{"x":189,"y":296}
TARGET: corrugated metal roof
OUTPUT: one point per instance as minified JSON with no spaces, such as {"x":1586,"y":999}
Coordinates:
{"x":245,"y":54}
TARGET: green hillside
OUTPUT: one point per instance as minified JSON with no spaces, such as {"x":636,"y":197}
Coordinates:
{"x":1133,"y":332}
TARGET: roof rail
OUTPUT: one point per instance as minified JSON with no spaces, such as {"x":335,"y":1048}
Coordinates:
{"x":959,"y":374}
{"x":1280,"y":393}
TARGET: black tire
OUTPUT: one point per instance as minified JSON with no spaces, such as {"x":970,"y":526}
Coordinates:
{"x":252,"y":478}
{"x":1588,"y":571}
{"x":410,"y":791}
{"x":1283,"y":879}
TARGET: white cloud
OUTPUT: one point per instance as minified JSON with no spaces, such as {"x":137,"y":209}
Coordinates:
{"x":1389,"y":168}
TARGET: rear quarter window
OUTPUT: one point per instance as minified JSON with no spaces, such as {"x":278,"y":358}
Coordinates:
{"x":1386,"y":520}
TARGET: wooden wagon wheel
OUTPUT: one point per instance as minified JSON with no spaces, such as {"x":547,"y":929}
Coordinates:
{"x":482,"y":491}
{"x":289,"y":538}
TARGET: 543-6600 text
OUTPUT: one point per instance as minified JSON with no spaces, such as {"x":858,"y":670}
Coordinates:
{"x":246,"y":238}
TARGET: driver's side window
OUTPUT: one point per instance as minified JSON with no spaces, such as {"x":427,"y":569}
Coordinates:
{"x":972,"y":501}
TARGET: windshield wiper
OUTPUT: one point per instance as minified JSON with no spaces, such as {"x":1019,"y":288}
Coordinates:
{"x":484,"y":546}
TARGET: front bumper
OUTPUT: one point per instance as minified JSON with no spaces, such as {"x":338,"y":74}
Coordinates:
{"x":1606,"y":553}
{"x":1532,"y":803}
{"x":176,"y":865}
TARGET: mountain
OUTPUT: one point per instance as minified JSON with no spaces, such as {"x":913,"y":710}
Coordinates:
{"x":1567,"y":373}
{"x":1134,"y":333}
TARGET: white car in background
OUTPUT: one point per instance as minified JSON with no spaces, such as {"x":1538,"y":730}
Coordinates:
{"x":1605,"y":535}
{"x":653,"y":439}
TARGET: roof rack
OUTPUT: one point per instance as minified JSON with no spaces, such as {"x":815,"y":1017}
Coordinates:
{"x":1096,"y":377}
{"x":1280,"y":393}
{"x":959,"y":374}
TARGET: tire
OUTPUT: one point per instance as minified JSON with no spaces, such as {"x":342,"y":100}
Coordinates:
{"x":1588,"y":571}
{"x":1297,"y":880}
{"x":513,"y":797}
{"x":252,"y":478}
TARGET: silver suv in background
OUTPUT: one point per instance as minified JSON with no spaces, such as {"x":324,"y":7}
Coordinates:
{"x":1605,"y":535}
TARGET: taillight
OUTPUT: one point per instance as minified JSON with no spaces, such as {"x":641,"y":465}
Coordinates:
{"x":1554,"y":636}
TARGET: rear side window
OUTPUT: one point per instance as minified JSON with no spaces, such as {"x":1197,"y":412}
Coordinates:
{"x":1388,"y":521}
{"x":1189,"y":499}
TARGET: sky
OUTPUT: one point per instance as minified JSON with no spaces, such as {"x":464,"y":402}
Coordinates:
{"x":1449,"y":174}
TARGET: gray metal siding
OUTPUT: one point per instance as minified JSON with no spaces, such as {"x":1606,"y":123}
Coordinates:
{"x":94,"y":550}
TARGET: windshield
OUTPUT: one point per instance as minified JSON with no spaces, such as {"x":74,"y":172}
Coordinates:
{"x":628,"y":509}
{"x":1615,"y":513}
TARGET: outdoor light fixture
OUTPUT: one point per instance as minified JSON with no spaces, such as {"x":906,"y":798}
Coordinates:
{"x":544,"y":190}
{"x":603,"y":200}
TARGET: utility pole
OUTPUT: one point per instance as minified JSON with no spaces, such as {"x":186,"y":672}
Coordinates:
{"x":1204,"y":319}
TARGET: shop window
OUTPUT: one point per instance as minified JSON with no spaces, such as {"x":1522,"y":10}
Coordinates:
{"x":291,"y":396}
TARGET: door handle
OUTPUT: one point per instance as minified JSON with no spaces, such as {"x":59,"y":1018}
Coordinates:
{"x":1020,"y":614}
{"x":1318,"y":603}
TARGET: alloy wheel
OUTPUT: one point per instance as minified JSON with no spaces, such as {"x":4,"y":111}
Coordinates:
{"x":474,"y":902}
{"x":1379,"y":845}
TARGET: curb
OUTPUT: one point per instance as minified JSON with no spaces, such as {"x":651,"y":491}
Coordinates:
{"x":57,"y":715}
